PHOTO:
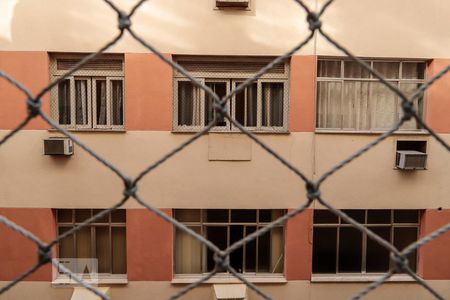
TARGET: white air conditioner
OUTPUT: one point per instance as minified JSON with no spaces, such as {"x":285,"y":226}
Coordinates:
{"x":58,"y":146}
{"x":240,"y":4}
{"x":230,"y":291}
{"x":411,"y":160}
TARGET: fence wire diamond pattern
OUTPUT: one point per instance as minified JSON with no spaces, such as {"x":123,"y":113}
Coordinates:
{"x":221,"y":257}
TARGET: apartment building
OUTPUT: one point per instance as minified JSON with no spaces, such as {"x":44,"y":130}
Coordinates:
{"x":315,"y":109}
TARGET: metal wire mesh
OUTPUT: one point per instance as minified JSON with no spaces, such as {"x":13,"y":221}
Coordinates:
{"x":221,"y":112}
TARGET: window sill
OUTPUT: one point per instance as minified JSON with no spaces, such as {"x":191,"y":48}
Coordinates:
{"x":64,"y":281}
{"x":259,"y":131}
{"x":359,"y":278}
{"x":374,"y":132}
{"x":227,"y":278}
{"x":90,"y":130}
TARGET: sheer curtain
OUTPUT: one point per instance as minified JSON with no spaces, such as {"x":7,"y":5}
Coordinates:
{"x":101,"y":102}
{"x":64,"y":102}
{"x":117,"y":102}
{"x":272,"y":104}
{"x":187,"y":253}
{"x":81,"y":104}
{"x":189,"y":105}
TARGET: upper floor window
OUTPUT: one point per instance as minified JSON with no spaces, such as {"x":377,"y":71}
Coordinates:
{"x":104,"y":240}
{"x":90,"y":98}
{"x":350,"y":98}
{"x":224,"y":227}
{"x":262,"y":106}
{"x":339,"y":248}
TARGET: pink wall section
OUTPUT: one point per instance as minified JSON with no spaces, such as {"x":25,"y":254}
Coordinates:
{"x":17,"y":253}
{"x":438,"y":98}
{"x":31,"y":69}
{"x":298,"y":246}
{"x":149,"y":246}
{"x":434,"y":259}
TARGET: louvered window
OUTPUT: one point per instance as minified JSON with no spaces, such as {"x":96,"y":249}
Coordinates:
{"x":261,"y":106}
{"x":90,"y":98}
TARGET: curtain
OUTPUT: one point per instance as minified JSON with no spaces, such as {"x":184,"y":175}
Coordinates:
{"x":384,"y":105}
{"x":220,"y":88}
{"x":329,"y":104}
{"x":408,"y":89}
{"x":189,"y":106}
{"x":102,"y":249}
{"x":64,"y":102}
{"x":329,"y":68}
{"x":117,"y":102}
{"x":101,"y":102}
{"x":187,"y":253}
{"x":272,"y":104}
{"x":81,"y":105}
{"x":355,"y":105}
{"x":119,"y":250}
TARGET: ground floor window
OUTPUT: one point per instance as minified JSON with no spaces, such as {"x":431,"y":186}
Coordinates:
{"x":224,"y":227}
{"x":338,"y":247}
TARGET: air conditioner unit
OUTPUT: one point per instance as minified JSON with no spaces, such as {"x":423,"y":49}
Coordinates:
{"x":58,"y":146}
{"x":240,"y":4}
{"x":410,"y":160}
{"x":230,"y":292}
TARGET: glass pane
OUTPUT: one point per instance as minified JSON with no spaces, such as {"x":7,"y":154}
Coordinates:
{"x":188,"y":252}
{"x":218,"y":236}
{"x":100,"y":88}
{"x":272,"y":104}
{"x":264,"y":252}
{"x":379,"y":216}
{"x":356,"y":214}
{"x":64,"y":102}
{"x":406,"y":216}
{"x":329,"y":68}
{"x":117,"y":102}
{"x":66,"y":246}
{"x":83,"y":243}
{"x":216,"y":215}
{"x":220,"y":88}
{"x":329,"y":104}
{"x":350,"y":250}
{"x":383,"y":105}
{"x":119,"y":216}
{"x":82,"y":215}
{"x":250,"y":251}
{"x":64,"y":215}
{"x":102,"y":248}
{"x":355,"y":70}
{"x":377,"y":259}
{"x":243,"y":215}
{"x":119,"y":250}
{"x":355,"y":105}
{"x":403,"y":237}
{"x":246,"y":105}
{"x":104,"y":219}
{"x":413,"y":70}
{"x":389,"y":70}
{"x":276,"y":247}
{"x":237,"y":256}
{"x":323,"y":216}
{"x":324,"y":250}
{"x":187,"y":215}
{"x":189,"y":106}
{"x":81,"y":102}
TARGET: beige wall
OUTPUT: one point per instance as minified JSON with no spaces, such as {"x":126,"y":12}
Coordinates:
{"x":292,"y":290}
{"x":80,"y":181}
{"x":385,"y":28}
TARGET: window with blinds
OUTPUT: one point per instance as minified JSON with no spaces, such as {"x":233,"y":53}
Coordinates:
{"x":90,"y":98}
{"x":261,"y":106}
{"x":350,"y":98}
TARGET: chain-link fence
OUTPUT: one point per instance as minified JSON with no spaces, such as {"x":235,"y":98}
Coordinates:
{"x":218,"y":114}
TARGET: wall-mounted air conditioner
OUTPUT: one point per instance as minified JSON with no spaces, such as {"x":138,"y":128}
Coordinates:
{"x":411,"y":160}
{"x":58,"y":146}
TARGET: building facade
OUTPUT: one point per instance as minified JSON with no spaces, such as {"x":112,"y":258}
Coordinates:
{"x":315,"y":109}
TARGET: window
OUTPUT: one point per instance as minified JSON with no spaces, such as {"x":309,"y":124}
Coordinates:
{"x":350,"y":98}
{"x":104,"y":240}
{"x":262,"y":106}
{"x":338,"y":247}
{"x":223,"y":227}
{"x":92,"y":97}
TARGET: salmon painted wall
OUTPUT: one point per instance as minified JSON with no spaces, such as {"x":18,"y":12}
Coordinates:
{"x":149,"y":246}
{"x":438,"y":98}
{"x":298,"y":246}
{"x":434,"y":261}
{"x":148,"y":92}
{"x":17,"y":253}
{"x":30,"y":69}
{"x":302,"y":95}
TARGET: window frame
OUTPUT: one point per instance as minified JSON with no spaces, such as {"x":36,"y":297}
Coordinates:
{"x":203,"y":225}
{"x":91,"y":76}
{"x":232,"y":78}
{"x":364,"y":239}
{"x":396,"y":81}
